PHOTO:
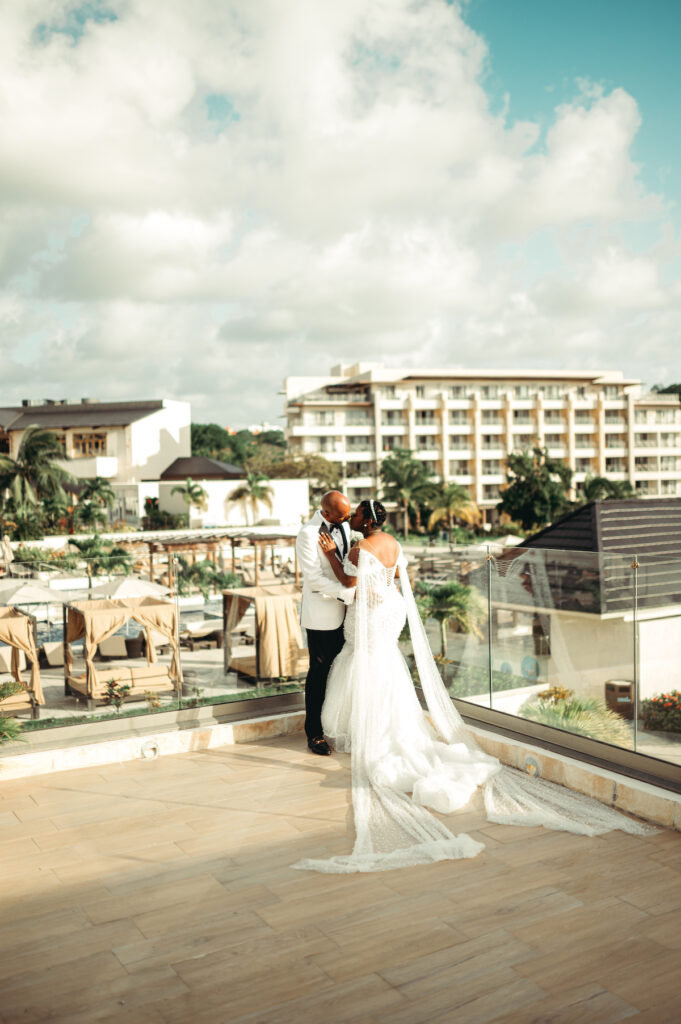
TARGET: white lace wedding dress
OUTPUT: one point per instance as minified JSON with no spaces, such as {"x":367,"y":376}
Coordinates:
{"x":404,"y":762}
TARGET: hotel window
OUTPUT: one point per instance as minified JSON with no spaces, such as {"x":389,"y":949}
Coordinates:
{"x":521,"y":391}
{"x":358,"y":444}
{"x":641,"y":416}
{"x":393,"y":418}
{"x":457,"y":391}
{"x":666,"y":416}
{"x":614,"y":466}
{"x":611,"y":391}
{"x":580,"y":391}
{"x":88,"y":444}
{"x":388,"y":391}
{"x":613,"y":416}
{"x":420,"y":391}
{"x":669,"y":486}
{"x":554,"y":417}
{"x":669,"y":463}
{"x":491,"y":417}
{"x":458,"y":417}
{"x":324,"y":418}
{"x":491,"y":441}
{"x":522,"y":416}
{"x":356,"y":418}
{"x":490,"y":492}
{"x":670,"y":440}
{"x":492,"y":467}
{"x":489,"y":391}
{"x":551,"y":391}
{"x":583,"y":465}
{"x":459,"y":467}
{"x":430,"y":466}
{"x":524,"y":441}
{"x":582,"y":417}
{"x":425,"y":417}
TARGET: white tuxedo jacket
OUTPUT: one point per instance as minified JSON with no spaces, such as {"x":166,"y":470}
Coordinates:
{"x":324,"y":598}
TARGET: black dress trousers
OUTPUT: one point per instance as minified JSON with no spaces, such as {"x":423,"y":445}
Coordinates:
{"x":323,"y":645}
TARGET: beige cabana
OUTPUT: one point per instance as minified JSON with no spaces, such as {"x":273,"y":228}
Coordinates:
{"x":17,"y":630}
{"x":96,"y":621}
{"x":278,"y":645}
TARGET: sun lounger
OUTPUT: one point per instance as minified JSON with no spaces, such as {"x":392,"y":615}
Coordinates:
{"x":51,"y":654}
{"x":114,"y":647}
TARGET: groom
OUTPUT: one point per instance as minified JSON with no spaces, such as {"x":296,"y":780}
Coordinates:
{"x":323,"y":606}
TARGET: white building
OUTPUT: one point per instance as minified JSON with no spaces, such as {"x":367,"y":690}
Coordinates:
{"x":463,"y":423}
{"x":125,"y":442}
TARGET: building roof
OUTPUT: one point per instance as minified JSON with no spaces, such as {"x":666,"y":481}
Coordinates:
{"x":199,"y":467}
{"x":635,"y":555}
{"x":81,"y":414}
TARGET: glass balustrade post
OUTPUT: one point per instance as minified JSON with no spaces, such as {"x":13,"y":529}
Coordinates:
{"x":634,"y":620}
{"x":489,"y":624}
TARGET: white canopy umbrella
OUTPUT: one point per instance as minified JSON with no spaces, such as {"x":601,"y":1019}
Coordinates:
{"x":129,"y":586}
{"x":14,"y":591}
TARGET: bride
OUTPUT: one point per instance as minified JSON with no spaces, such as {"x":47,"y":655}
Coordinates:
{"x":404,"y":761}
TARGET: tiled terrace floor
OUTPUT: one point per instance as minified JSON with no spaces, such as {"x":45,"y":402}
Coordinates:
{"x":161,"y":892}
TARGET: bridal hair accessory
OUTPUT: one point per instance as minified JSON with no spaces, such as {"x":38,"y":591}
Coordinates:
{"x":373,"y":513}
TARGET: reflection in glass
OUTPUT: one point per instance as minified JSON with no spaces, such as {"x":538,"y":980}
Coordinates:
{"x":562,"y":641}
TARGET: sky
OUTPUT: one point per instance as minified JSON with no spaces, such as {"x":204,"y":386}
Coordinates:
{"x":198,"y":199}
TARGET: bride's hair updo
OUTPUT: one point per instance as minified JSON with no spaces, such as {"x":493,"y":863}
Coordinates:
{"x":373,"y":510}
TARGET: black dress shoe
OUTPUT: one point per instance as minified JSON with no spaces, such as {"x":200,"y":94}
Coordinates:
{"x":318,"y":745}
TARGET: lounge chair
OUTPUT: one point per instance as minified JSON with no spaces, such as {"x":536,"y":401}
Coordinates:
{"x":51,"y":654}
{"x":113,"y":647}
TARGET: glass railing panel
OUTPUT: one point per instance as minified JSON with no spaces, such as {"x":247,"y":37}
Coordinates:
{"x":658,"y":627}
{"x":452,"y":594}
{"x":563,"y":641}
{"x":124,"y":679}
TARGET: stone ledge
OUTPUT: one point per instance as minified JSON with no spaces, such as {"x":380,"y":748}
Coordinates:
{"x":660,"y":806}
{"x":639,"y":798}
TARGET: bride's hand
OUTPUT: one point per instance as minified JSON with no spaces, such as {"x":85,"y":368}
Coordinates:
{"x":327,"y":544}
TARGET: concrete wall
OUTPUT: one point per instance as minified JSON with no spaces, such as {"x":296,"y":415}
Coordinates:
{"x":158,"y":439}
{"x":290,"y":503}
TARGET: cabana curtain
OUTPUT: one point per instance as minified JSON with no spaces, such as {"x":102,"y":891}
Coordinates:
{"x":16,"y":630}
{"x":279,"y":634}
{"x":96,"y":621}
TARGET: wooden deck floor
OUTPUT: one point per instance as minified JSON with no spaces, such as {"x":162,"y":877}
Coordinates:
{"x":161,"y":892}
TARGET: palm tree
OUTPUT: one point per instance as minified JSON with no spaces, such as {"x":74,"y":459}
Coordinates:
{"x":599,"y":488}
{"x":253,"y":492}
{"x":99,"y":490}
{"x":406,"y":481}
{"x":35,"y":473}
{"x":103,"y":556}
{"x":193,"y":495}
{"x":90,"y":515}
{"x":453,"y":604}
{"x":454,"y":502}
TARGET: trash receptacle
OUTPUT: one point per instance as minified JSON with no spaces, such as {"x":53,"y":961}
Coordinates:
{"x":619,"y":697}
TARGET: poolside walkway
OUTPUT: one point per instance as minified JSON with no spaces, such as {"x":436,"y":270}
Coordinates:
{"x":161,"y":892}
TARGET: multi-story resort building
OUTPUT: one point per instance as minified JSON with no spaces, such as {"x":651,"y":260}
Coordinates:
{"x":463,"y":423}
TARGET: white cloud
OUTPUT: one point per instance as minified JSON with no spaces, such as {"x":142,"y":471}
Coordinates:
{"x":221,"y":194}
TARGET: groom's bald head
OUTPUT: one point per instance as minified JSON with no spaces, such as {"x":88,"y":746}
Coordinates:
{"x":335,"y":507}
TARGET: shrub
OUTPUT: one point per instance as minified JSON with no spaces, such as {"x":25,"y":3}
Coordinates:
{"x":662,"y":713}
{"x":584,"y":716}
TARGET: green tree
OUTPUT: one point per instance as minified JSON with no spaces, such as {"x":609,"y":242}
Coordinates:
{"x":209,"y":439}
{"x":35,"y":474}
{"x":253,"y":492}
{"x":537,"y":490}
{"x":322,"y":474}
{"x":406,"y":481}
{"x":103,"y":556}
{"x":668,"y":389}
{"x":193,"y":495}
{"x":454,"y":605}
{"x":99,"y":490}
{"x":90,"y":515}
{"x":599,"y":488}
{"x":453,"y":502}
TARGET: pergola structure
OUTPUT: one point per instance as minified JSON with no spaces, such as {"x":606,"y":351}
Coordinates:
{"x":170,"y":543}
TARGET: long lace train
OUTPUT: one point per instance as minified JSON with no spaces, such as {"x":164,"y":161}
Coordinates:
{"x":402,"y":763}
